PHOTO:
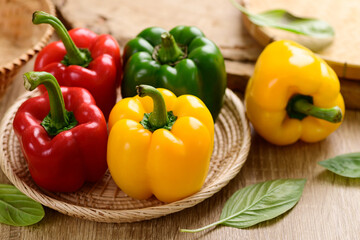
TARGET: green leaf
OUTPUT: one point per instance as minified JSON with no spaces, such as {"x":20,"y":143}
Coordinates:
{"x":281,"y":19}
{"x":17,"y":209}
{"x":347,"y":165}
{"x":261,"y":202}
{"x":258,"y":203}
{"x":284,"y":20}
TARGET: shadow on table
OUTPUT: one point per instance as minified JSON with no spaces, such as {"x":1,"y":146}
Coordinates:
{"x":328,"y":177}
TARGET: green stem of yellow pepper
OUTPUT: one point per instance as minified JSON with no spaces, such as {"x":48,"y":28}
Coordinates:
{"x":159,"y":117}
{"x":301,"y":106}
{"x":169,"y":51}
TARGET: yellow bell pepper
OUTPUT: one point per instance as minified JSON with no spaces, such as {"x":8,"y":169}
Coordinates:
{"x":159,"y":144}
{"x":293,"y":94}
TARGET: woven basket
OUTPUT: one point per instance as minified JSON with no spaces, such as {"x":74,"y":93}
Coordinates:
{"x":20,"y":40}
{"x":104,"y":201}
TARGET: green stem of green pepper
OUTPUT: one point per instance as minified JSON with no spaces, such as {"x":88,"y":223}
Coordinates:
{"x":58,"y":119}
{"x":301,"y":106}
{"x":74,"y":56}
{"x":159,"y":117}
{"x":169,"y":51}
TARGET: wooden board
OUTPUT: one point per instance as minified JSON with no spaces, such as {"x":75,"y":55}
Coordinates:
{"x":218,"y":19}
{"x":125,"y":19}
{"x":341,"y":53}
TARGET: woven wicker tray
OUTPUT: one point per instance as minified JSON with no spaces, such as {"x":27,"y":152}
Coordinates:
{"x":104,"y":201}
{"x":20,"y":39}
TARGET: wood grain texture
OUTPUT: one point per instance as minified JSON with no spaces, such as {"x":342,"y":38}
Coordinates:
{"x":125,"y":19}
{"x":328,"y":208}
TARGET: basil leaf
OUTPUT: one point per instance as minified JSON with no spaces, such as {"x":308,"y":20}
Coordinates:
{"x":281,"y":19}
{"x":261,"y":202}
{"x":258,"y":203}
{"x":17,"y":209}
{"x":347,"y":165}
{"x":284,"y":20}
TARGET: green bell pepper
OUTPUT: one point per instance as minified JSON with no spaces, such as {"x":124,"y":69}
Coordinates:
{"x":182,"y":60}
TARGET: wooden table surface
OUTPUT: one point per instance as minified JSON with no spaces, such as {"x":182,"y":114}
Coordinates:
{"x":328,"y":208}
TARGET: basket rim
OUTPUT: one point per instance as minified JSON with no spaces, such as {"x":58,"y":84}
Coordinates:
{"x":30,"y":52}
{"x":117,"y":216}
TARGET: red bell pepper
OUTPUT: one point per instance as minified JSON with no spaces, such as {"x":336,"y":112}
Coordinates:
{"x":62,"y":134}
{"x":82,"y":59}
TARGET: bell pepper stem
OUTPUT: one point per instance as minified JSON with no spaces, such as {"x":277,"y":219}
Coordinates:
{"x":303,"y":106}
{"x":159,"y":117}
{"x":74,"y":55}
{"x":169,"y":51}
{"x":59,"y":118}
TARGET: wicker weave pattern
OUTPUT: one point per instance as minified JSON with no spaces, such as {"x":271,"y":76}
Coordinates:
{"x":104,"y":201}
{"x":19,"y":39}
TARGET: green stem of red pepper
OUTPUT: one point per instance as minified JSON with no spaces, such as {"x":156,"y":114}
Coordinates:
{"x":169,"y":51}
{"x":159,"y":117}
{"x":74,"y":56}
{"x":301,"y":106}
{"x":58,"y":119}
